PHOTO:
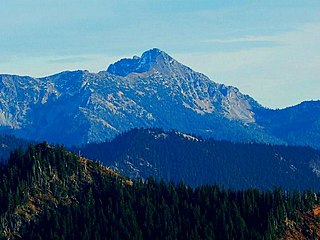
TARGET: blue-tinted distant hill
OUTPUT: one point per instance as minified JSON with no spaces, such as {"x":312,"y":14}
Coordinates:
{"x":176,"y":156}
{"x":297,"y":125}
{"x":10,"y":143}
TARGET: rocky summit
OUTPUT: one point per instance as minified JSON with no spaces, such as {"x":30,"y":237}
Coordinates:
{"x":153,"y":90}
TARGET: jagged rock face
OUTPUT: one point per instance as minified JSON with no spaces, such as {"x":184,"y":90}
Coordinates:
{"x":14,"y":101}
{"x":153,"y":58}
{"x":163,"y":76}
{"x":153,"y":90}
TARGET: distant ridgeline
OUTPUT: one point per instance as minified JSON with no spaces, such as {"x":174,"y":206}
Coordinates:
{"x":48,"y":193}
{"x":175,"y":156}
{"x":9,"y":143}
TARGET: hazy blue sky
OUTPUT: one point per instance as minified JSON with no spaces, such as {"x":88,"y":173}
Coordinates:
{"x":268,"y":49}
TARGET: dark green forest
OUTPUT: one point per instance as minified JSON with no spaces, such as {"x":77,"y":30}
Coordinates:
{"x":49,"y":193}
{"x":176,"y":157}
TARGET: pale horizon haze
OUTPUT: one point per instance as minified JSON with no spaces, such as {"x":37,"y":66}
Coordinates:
{"x":268,"y":49}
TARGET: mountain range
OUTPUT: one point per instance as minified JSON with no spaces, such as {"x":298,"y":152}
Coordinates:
{"x":154,"y":90}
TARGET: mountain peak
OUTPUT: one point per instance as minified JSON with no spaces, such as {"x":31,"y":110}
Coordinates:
{"x":137,"y":64}
{"x":152,"y":54}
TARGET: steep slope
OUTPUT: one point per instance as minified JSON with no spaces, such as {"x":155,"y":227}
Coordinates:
{"x":42,"y":179}
{"x":153,"y":90}
{"x":305,"y":226}
{"x":181,"y":157}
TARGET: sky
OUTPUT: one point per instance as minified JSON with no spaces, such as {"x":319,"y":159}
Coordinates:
{"x":268,"y":49}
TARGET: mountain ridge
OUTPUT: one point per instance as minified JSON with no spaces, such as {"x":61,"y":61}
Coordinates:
{"x":176,"y":156}
{"x":154,"y":90}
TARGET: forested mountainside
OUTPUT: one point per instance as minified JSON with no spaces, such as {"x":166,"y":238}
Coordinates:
{"x":297,"y":125}
{"x":48,"y":193}
{"x":176,"y":156}
{"x":153,"y":90}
